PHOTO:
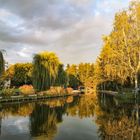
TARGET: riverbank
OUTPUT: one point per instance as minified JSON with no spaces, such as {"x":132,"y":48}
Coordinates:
{"x":34,"y":97}
{"x":125,"y":96}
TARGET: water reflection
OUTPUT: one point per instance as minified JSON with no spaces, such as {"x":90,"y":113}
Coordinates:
{"x":77,"y":118}
{"x":118,"y":121}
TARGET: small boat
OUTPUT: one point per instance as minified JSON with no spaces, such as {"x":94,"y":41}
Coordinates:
{"x":82,"y":89}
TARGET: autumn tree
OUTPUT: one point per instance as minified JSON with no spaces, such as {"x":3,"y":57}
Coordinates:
{"x":85,"y":71}
{"x":72,"y":76}
{"x":80,"y":75}
{"x":121,"y":51}
{"x":86,"y":75}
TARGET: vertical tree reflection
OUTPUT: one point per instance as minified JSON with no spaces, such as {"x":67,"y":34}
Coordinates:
{"x":46,"y":116}
{"x":44,"y":119}
{"x":118,"y":122}
{"x":0,"y":118}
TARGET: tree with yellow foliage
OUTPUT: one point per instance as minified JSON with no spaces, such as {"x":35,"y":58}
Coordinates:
{"x":45,"y":70}
{"x":121,"y":51}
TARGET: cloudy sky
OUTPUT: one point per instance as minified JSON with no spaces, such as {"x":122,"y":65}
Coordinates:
{"x":71,"y":28}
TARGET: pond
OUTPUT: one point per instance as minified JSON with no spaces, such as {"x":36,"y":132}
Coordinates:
{"x":72,"y":118}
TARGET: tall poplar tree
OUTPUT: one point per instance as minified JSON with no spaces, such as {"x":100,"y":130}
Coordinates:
{"x":2,"y":64}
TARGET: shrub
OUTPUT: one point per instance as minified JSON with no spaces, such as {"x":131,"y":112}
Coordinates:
{"x":7,"y":92}
{"x":69,"y":90}
{"x":69,"y":99}
{"x":56,"y":90}
{"x":27,"y":89}
{"x":59,"y":90}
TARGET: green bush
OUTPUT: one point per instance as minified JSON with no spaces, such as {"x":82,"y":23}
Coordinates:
{"x":7,"y":92}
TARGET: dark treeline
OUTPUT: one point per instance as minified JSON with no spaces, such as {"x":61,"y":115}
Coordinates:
{"x":46,"y":71}
{"x":73,"y":76}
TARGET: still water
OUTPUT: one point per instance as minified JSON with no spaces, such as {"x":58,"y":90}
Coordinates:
{"x":72,"y":118}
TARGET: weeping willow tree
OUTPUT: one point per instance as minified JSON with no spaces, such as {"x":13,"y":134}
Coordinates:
{"x":45,"y":70}
{"x":2,"y":64}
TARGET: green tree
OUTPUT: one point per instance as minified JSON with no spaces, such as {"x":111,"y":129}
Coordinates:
{"x":2,"y":64}
{"x":20,"y":74}
{"x":61,"y":79}
{"x":72,"y":76}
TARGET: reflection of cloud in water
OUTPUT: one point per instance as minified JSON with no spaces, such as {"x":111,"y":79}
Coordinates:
{"x":14,"y":125}
{"x":79,"y":129}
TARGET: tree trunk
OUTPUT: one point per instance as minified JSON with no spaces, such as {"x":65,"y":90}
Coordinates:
{"x":136,"y":81}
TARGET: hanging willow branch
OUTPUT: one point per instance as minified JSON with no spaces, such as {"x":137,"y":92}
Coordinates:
{"x":45,"y":70}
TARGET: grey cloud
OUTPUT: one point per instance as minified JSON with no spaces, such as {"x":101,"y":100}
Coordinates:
{"x":44,"y":12}
{"x":23,"y":8}
{"x":67,"y":27}
{"x":14,"y":35}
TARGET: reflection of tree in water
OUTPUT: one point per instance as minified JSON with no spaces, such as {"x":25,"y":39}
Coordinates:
{"x":46,"y":116}
{"x":0,"y":118}
{"x":87,"y":106}
{"x":117,"y":122}
{"x":83,"y":108}
{"x":20,"y":109}
{"x":43,"y":120}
